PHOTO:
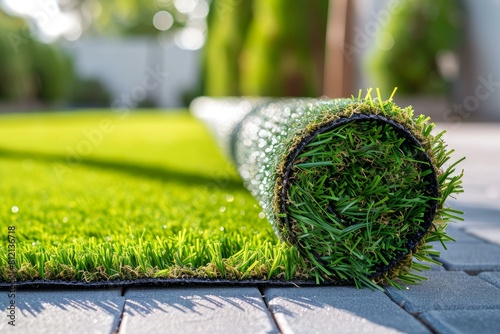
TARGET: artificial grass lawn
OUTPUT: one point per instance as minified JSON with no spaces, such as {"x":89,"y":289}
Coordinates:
{"x":150,"y":196}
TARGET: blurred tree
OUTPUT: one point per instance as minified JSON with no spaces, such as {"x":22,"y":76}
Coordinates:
{"x":30,"y":70}
{"x":228,"y":21}
{"x":14,"y":74}
{"x":90,"y":93}
{"x":422,"y":31}
{"x":277,"y":58}
{"x":265,"y":47}
{"x":52,"y":72}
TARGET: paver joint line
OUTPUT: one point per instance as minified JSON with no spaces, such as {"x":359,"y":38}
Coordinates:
{"x":415,"y":315}
{"x":121,"y":316}
{"x":271,"y":314}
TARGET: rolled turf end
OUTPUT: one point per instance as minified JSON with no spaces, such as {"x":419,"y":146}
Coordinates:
{"x":357,"y":185}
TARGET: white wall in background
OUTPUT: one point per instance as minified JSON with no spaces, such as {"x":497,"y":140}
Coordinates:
{"x":123,"y":64}
{"x":483,"y":46}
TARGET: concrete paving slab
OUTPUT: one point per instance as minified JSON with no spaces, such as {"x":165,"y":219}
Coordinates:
{"x":470,"y":257}
{"x":461,"y":236}
{"x":447,"y":291}
{"x":478,"y":215}
{"x":338,"y":310}
{"x":63,"y":311}
{"x":491,"y":277}
{"x":480,"y":144}
{"x":466,"y":321}
{"x":491,"y":234}
{"x":196,"y":310}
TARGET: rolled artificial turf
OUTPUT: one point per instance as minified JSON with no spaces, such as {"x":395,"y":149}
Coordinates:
{"x":357,"y":185}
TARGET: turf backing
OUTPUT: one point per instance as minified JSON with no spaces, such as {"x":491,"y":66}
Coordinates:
{"x":102,"y":196}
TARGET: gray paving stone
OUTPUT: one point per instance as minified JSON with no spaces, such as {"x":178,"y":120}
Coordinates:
{"x":196,"y":310}
{"x":63,"y":311}
{"x":445,"y":290}
{"x":470,"y":257}
{"x":477,"y":216}
{"x":479,"y":143}
{"x":491,"y":277}
{"x":462,"y":236}
{"x":338,"y":310}
{"x":491,"y":234}
{"x":467,"y":321}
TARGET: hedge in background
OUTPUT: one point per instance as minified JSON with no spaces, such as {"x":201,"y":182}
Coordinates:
{"x":435,"y":26}
{"x":266,"y":48}
{"x":228,"y":23}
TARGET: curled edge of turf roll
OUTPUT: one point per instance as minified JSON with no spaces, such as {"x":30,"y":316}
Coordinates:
{"x":357,"y":185}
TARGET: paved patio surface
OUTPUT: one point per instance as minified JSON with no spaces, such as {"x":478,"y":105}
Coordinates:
{"x":463,"y":296}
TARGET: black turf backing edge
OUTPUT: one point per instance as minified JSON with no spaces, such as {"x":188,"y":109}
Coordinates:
{"x":161,"y":282}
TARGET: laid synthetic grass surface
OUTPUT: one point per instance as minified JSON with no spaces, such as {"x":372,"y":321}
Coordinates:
{"x":103,"y":196}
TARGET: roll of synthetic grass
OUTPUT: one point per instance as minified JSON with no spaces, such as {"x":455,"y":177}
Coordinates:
{"x":357,"y":185}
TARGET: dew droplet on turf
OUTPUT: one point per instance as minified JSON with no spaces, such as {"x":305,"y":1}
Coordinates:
{"x":222,"y":209}
{"x":65,"y":219}
{"x":14,"y":209}
{"x":164,"y":226}
{"x":229,"y":198}
{"x":262,"y":215}
{"x":221,"y":229}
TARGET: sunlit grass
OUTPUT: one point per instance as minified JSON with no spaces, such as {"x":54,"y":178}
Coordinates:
{"x":105,"y":196}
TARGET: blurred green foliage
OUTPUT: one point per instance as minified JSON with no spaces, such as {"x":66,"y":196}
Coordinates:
{"x":90,"y":93}
{"x":265,"y":47}
{"x":14,"y":75}
{"x":254,"y":47}
{"x":31,"y":70}
{"x":228,"y":23}
{"x":421,"y":30}
{"x":125,"y":17}
{"x":34,"y":72}
{"x":52,"y":72}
